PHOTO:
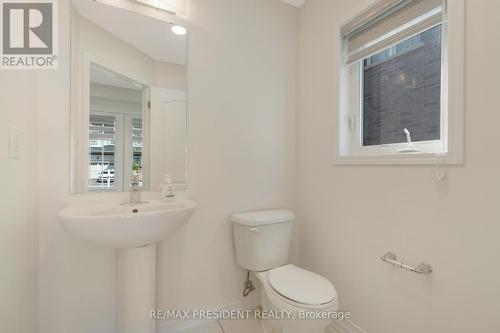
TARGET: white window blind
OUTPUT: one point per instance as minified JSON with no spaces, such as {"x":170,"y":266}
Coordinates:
{"x":386,"y":23}
{"x":102,"y":127}
{"x":137,"y":130}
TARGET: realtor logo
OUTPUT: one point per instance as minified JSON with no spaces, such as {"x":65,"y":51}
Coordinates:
{"x":28,"y":35}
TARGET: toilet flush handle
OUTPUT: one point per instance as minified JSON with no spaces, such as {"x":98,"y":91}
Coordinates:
{"x":254,"y":230}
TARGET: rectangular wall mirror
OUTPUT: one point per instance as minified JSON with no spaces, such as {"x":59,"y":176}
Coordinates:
{"x":129,"y":99}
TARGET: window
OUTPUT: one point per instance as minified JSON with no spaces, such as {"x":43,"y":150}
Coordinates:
{"x":132,"y":136}
{"x":402,"y":89}
{"x":137,"y":145}
{"x":115,"y":150}
{"x":102,"y":144}
{"x":398,"y":104}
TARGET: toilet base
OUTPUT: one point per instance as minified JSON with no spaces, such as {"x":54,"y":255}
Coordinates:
{"x":295,"y":317}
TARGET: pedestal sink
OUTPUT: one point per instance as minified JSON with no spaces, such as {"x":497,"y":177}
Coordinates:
{"x":134,"y":230}
{"x":121,"y":226}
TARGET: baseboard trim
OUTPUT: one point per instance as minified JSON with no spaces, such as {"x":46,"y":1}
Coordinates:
{"x":345,"y":326}
{"x":183,"y":325}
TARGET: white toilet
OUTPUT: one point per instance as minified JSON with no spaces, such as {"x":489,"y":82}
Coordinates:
{"x":262,"y":241}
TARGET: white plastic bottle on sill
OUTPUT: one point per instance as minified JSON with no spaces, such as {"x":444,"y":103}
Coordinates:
{"x":167,"y":189}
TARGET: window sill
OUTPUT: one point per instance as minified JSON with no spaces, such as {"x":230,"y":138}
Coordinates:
{"x":397,"y":159}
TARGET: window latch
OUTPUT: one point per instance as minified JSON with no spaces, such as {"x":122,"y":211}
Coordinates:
{"x":411,"y":147}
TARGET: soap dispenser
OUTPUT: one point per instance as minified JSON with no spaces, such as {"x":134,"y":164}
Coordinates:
{"x":167,"y":188}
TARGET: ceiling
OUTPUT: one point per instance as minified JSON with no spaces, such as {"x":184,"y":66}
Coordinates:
{"x":295,"y":3}
{"x":161,"y":45}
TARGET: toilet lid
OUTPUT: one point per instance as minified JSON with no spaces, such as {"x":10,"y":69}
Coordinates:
{"x":302,"y":286}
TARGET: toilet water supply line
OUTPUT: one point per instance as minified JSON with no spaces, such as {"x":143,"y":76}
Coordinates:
{"x":248,"y":286}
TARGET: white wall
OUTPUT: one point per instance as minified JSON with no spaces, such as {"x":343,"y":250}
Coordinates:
{"x":241,"y":108}
{"x":170,"y":76}
{"x":242,"y":90}
{"x":18,"y":204}
{"x":353,"y":215}
{"x":112,"y":99}
{"x":76,"y":279}
{"x":104,"y":47}
{"x":167,"y":136}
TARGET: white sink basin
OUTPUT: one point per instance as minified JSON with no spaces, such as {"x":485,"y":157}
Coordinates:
{"x":122,"y":226}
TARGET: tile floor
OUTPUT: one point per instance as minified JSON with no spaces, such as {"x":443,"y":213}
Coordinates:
{"x":228,"y":326}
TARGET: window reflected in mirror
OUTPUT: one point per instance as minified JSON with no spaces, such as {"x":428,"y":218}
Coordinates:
{"x":129,"y":105}
{"x":115,"y":130}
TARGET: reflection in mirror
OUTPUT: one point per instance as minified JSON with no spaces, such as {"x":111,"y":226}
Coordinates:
{"x":128,"y":99}
{"x":115,"y":129}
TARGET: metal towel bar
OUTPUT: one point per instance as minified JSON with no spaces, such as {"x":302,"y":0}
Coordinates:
{"x":422,"y":268}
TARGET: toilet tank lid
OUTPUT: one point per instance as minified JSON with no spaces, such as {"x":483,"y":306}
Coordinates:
{"x":263,"y":217}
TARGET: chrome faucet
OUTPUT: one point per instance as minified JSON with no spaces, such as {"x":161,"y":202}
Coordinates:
{"x":135,"y":190}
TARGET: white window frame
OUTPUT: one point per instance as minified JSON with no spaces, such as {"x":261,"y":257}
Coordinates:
{"x":119,"y":151}
{"x":80,"y":112}
{"x":128,"y":144}
{"x":123,"y":152}
{"x":349,"y":147}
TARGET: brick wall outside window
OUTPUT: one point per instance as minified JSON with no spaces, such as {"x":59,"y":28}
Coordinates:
{"x":402,"y":89}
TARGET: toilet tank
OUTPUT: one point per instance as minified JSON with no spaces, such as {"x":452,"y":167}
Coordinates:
{"x":262,"y":238}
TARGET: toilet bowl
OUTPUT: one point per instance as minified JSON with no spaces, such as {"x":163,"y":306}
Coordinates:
{"x":303,"y":301}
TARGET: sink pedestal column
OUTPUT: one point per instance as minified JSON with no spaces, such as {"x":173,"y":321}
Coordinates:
{"x":136,"y":289}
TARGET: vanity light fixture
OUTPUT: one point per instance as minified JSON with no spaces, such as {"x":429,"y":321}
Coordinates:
{"x":164,"y":5}
{"x":178,"y":30}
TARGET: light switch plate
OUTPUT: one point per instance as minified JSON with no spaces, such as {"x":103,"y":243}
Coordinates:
{"x":14,"y":148}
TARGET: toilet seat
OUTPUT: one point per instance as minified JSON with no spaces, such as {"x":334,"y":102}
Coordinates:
{"x":301,"y":288}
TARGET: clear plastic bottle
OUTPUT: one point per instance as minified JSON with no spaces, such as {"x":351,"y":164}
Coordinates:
{"x":167,"y":188}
